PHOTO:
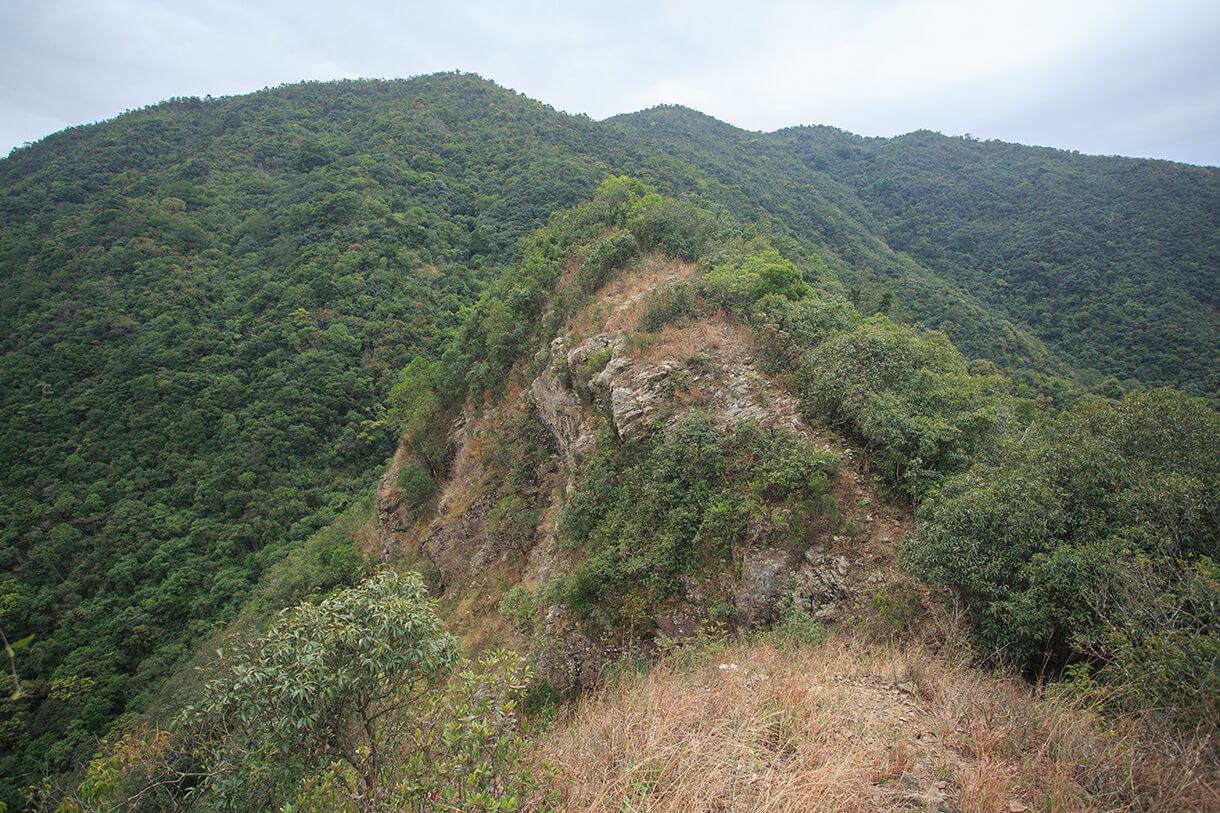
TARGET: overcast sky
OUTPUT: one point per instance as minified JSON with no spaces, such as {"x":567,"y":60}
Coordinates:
{"x":1124,"y":77}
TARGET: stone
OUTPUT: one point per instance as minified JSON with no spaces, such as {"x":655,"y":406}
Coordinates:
{"x":764,"y":580}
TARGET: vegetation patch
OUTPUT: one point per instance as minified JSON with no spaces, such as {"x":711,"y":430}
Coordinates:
{"x":1094,"y":537}
{"x":645,"y":514}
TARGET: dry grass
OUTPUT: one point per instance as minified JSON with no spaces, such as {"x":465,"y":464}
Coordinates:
{"x":627,"y":292}
{"x":715,"y":335}
{"x":618,"y":304}
{"x":850,"y":726}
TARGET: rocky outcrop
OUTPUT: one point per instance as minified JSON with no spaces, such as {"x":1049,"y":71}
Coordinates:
{"x":455,"y":547}
{"x":638,"y":388}
{"x":821,"y":583}
{"x":632,"y":392}
{"x":560,"y":409}
{"x":814,"y":586}
{"x":391,"y":513}
{"x":764,"y":580}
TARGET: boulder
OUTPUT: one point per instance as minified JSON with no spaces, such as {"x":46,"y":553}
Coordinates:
{"x":764,"y":580}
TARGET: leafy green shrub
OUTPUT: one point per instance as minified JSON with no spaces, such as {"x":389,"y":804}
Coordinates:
{"x":1037,"y":546}
{"x":679,"y":228}
{"x":517,"y":606}
{"x":909,"y":396}
{"x":580,"y":378}
{"x":463,"y":749}
{"x":361,"y":702}
{"x":516,"y":452}
{"x":417,"y":487}
{"x":669,"y":302}
{"x":895,"y":607}
{"x":364,"y":654}
{"x":737,"y":280}
{"x":612,"y":253}
{"x":1160,"y":647}
{"x":786,"y":329}
{"x":646,"y":514}
{"x":511,"y":522}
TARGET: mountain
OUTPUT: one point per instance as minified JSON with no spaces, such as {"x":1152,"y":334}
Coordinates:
{"x":1103,"y":260}
{"x":653,"y":429}
{"x":218,"y":316}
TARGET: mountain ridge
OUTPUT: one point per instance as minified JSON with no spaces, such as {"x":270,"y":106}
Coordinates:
{"x":210,"y":309}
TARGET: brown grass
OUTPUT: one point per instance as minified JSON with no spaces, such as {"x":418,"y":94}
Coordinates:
{"x":717,"y":335}
{"x":850,"y":726}
{"x":619,"y":304}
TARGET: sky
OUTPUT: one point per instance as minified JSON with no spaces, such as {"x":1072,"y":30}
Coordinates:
{"x":1119,"y":77}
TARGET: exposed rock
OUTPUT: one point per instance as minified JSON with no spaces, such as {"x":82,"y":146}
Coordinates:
{"x":635,"y":392}
{"x":565,"y":658}
{"x":820,"y":583}
{"x":391,"y":515}
{"x":560,"y":410}
{"x":453,"y":546}
{"x":631,"y":393}
{"x":764,"y":580}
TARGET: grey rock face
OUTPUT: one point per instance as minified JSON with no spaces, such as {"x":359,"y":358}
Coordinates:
{"x":454,"y":547}
{"x":820,"y":583}
{"x":764,"y":580}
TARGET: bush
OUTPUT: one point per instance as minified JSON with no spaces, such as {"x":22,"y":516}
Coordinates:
{"x":678,"y":228}
{"x":1039,"y":546}
{"x":670,"y":302}
{"x":1160,"y":647}
{"x":738,"y":280}
{"x":417,"y":487}
{"x":511,"y":523}
{"x":645,"y":515}
{"x":517,"y":606}
{"x":895,"y":608}
{"x":909,"y":396}
{"x":609,"y":254}
{"x":360,"y":702}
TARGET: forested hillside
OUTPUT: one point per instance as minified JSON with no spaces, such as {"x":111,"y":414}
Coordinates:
{"x":205,"y":306}
{"x":1109,"y":262}
{"x":652,"y":430}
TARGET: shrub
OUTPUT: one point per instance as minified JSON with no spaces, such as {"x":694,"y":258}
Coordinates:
{"x":517,"y":606}
{"x":645,"y":515}
{"x":609,"y":254}
{"x":738,"y":280}
{"x":1159,"y":646}
{"x":670,"y":302}
{"x":417,"y":487}
{"x":1039,"y":546}
{"x":679,"y":228}
{"x":361,"y":702}
{"x":896,"y":608}
{"x":511,"y":522}
{"x":909,"y":396}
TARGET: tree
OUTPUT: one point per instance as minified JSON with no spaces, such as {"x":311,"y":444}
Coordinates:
{"x":361,"y":702}
{"x":1099,"y":515}
{"x":316,"y":689}
{"x":417,"y":409}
